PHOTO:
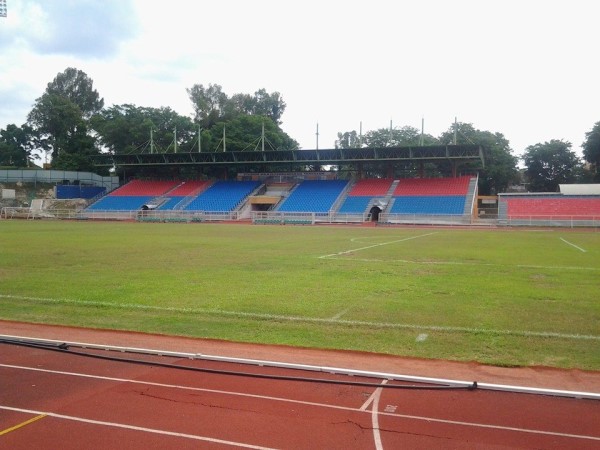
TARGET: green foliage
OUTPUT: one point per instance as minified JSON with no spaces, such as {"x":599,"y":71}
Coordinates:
{"x":591,"y":149}
{"x":209,"y":104}
{"x":550,"y":164}
{"x":500,"y":164}
{"x":212,"y":105}
{"x":17,"y":145}
{"x":384,"y":137}
{"x":61,"y":115}
{"x":396,"y":137}
{"x":242,"y":115}
{"x":126,"y":129}
{"x":244,"y":133}
{"x":75,"y":85}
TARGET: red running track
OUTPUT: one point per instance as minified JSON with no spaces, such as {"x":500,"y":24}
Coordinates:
{"x":60,"y":400}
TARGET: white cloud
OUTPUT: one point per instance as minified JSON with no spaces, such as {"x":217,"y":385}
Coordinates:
{"x":525,"y":69}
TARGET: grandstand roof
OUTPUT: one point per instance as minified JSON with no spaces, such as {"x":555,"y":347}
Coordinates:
{"x":580,"y":189}
{"x":288,"y":158}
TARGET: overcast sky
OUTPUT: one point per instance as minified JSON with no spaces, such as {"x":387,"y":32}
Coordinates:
{"x":525,"y":68}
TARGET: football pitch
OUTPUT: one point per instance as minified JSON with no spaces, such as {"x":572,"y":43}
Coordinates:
{"x":507,"y":297}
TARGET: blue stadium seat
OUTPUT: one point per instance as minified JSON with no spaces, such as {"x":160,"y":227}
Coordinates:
{"x":428,"y":205}
{"x":314,"y":196}
{"x":222,"y":196}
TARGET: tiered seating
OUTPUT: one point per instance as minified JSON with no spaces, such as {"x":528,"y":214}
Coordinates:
{"x":576,"y":208}
{"x":363,"y":192}
{"x":428,"y":205}
{"x":431,"y":196}
{"x":146,"y":188}
{"x":222,"y":196}
{"x":120,"y":203}
{"x":188,"y":188}
{"x":375,"y":187}
{"x":182,"y":191}
{"x":78,"y":191}
{"x":133,"y":195}
{"x":432,"y":186}
{"x":314,"y":196}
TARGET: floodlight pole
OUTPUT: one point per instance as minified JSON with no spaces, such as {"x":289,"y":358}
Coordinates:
{"x":317,"y":134}
{"x":422,"y":141}
{"x":151,"y":140}
{"x":199,"y":139}
{"x":263,"y":136}
{"x":224,"y":145}
{"x":360,"y":134}
{"x":175,"y":139}
{"x":455,"y":129}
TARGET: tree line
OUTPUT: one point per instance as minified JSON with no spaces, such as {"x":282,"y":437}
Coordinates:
{"x":70,"y":124}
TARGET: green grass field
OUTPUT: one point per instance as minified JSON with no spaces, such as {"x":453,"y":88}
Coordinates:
{"x":506,"y":297}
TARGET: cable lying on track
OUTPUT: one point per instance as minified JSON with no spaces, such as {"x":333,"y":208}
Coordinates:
{"x":66,"y":348}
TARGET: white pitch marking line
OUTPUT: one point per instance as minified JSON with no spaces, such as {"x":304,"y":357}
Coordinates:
{"x":464,"y":263}
{"x":136,"y":428}
{"x":340,"y":314}
{"x":377,"y":245}
{"x":345,"y":408}
{"x":375,"y":417}
{"x":545,"y":334}
{"x":573,"y":245}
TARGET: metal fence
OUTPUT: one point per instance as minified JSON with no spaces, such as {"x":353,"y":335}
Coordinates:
{"x":551,"y":221}
{"x":57,"y":176}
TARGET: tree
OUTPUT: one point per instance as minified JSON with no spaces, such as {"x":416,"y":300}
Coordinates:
{"x":61,"y":119}
{"x":550,"y":164}
{"x":591,"y":149}
{"x":17,"y":145}
{"x":57,"y":119}
{"x":209,"y":104}
{"x":245,"y":131}
{"x":348,"y":139}
{"x":212,"y":105}
{"x":260,"y":104}
{"x":384,"y":137}
{"x":396,"y":137}
{"x":500,"y":169}
{"x":76,"y":86}
{"x":126,"y":129}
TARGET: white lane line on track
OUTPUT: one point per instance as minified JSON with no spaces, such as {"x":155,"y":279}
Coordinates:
{"x":300,"y":402}
{"x":573,"y":245}
{"x":136,"y":428}
{"x":408,"y":326}
{"x":375,"y":417}
{"x":376,"y":245}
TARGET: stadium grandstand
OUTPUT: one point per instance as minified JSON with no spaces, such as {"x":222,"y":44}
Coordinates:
{"x":304,"y":193}
{"x":297,"y":201}
{"x":574,"y":205}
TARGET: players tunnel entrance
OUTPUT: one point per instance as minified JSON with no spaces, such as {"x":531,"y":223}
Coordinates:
{"x":374,"y":213}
